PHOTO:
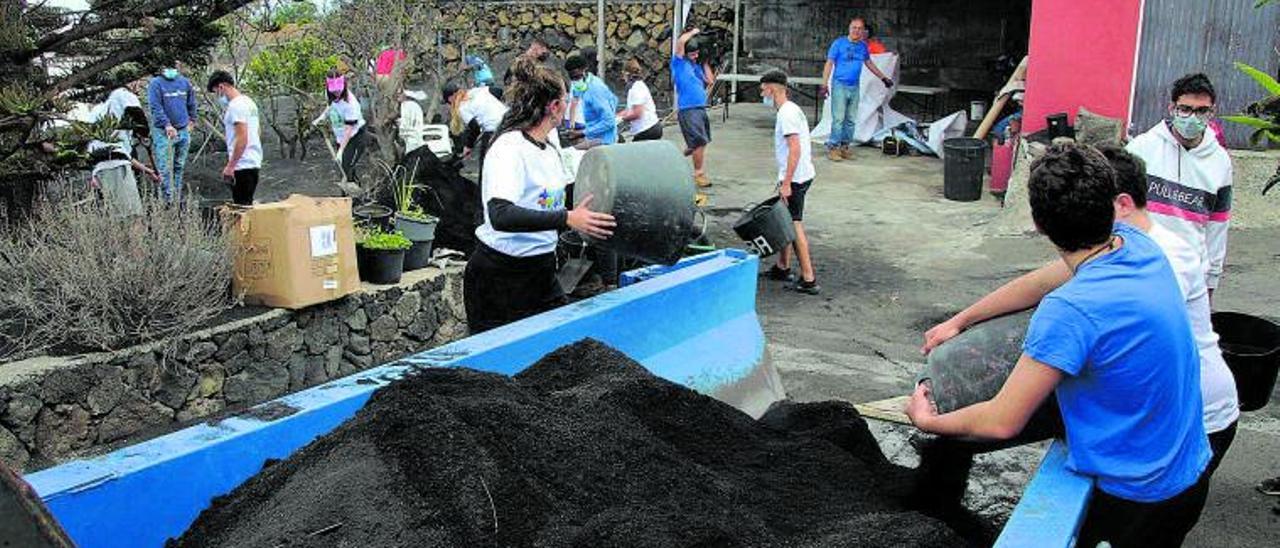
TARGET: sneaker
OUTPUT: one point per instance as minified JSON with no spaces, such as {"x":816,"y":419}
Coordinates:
{"x":846,"y":152}
{"x":1270,"y":487}
{"x":834,"y":155}
{"x":809,"y":288}
{"x":779,"y":274}
{"x":701,"y":180}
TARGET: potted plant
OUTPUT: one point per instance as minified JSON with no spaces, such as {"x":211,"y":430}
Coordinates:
{"x":416,"y":224}
{"x":380,"y":255}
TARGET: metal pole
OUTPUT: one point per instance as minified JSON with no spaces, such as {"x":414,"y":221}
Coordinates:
{"x":737,"y":15}
{"x":600,"y":38}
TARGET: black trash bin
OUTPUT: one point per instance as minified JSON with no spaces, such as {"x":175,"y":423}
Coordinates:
{"x":963,"y":167}
{"x":1251,"y":347}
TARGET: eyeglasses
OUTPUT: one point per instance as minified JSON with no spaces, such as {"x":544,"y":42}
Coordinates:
{"x":1188,"y":110}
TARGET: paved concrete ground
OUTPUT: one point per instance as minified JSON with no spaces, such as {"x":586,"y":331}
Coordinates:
{"x":894,"y":258}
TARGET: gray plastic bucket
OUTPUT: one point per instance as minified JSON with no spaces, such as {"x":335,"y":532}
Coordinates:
{"x":648,"y":188}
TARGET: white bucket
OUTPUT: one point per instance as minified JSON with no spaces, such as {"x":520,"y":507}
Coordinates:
{"x":977,"y":110}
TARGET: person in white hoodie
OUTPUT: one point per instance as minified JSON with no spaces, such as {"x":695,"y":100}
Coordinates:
{"x":1189,"y":173}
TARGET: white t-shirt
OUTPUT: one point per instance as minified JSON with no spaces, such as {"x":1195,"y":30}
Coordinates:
{"x":792,"y":121}
{"x":1217,"y":386}
{"x":120,"y":99}
{"x":242,"y":110}
{"x":639,"y":95}
{"x":411,"y":125}
{"x":123,"y":143}
{"x":483,"y":107}
{"x":529,"y":175}
{"x":347,"y":110}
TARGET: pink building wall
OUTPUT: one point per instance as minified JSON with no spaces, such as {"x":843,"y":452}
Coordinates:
{"x":1081,"y":54}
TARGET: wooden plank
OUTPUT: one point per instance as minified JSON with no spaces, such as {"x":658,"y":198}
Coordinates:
{"x":891,"y":410}
{"x":817,"y":81}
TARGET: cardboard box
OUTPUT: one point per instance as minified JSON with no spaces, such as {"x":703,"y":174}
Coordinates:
{"x":294,"y":253}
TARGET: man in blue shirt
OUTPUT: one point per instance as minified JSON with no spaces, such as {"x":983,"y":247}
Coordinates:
{"x":845,"y":59}
{"x":692,"y":78}
{"x":173,"y":116}
{"x":1115,"y":346}
{"x":598,"y":103}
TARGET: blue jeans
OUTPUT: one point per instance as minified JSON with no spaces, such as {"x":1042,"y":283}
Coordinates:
{"x":844,"y":114}
{"x":171,"y":160}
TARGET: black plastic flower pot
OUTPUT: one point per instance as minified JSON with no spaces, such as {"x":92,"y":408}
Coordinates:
{"x":418,"y":256}
{"x":380,"y":266}
{"x":373,"y":215}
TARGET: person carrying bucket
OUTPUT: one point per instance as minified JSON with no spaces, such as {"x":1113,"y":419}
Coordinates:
{"x":1115,"y":346}
{"x":1218,"y":389}
{"x":512,"y":273}
{"x":791,"y":150}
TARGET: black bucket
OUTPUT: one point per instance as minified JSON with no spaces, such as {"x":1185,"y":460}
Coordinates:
{"x":964,"y":165}
{"x":373,"y":215}
{"x":767,"y":227}
{"x":1251,"y":347}
{"x":418,"y":256}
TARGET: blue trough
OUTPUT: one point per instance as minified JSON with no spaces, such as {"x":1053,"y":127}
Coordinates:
{"x":693,"y":323}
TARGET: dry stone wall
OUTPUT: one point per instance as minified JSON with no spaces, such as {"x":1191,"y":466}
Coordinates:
{"x":498,"y":30}
{"x":52,"y":409}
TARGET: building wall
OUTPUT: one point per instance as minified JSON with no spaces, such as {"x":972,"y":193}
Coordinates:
{"x":946,"y":43}
{"x":1081,"y":54}
{"x":1185,"y":36}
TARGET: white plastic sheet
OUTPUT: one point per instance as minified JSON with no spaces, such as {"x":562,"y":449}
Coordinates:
{"x":951,"y":126}
{"x":874,"y":113}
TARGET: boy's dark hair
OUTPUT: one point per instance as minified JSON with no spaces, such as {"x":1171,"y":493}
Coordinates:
{"x":575,"y":62}
{"x":1131,"y":173}
{"x":1193,"y":84}
{"x":1072,"y":191}
{"x":540,"y":42}
{"x":774,"y":77}
{"x":218,"y":78}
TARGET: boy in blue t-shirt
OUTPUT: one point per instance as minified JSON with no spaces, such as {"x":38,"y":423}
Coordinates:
{"x":1115,"y":346}
{"x":845,"y":59}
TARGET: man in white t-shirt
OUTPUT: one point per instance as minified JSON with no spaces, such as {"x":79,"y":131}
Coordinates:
{"x":795,"y":173}
{"x":241,"y":126}
{"x":1217,"y":386}
{"x":641,"y":113}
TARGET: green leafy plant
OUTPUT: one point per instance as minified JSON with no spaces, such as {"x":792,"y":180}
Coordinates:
{"x":1263,"y":115}
{"x":385,"y":241}
{"x":404,"y":184}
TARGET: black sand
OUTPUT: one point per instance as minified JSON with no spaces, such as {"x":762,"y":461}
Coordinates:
{"x":585,"y":448}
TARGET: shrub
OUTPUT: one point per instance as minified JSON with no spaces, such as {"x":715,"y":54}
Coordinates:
{"x":77,"y":278}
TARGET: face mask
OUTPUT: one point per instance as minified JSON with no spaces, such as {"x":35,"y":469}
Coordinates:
{"x":542,"y":57}
{"x":222,"y":100}
{"x":767,"y":99}
{"x":169,"y":73}
{"x":1189,"y":127}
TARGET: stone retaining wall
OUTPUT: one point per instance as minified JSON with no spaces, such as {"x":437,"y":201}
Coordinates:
{"x":52,"y":409}
{"x":640,"y":29}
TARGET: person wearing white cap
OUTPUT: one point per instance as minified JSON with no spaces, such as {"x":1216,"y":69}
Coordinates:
{"x":411,"y":119}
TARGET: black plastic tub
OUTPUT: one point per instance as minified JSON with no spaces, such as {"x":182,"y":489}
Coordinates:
{"x":1251,"y":347}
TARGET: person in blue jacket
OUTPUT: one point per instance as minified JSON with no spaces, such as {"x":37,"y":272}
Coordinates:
{"x":599,"y":104}
{"x":173,"y":115}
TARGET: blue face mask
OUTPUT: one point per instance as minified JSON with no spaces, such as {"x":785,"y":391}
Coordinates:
{"x":169,"y":73}
{"x":768,"y":100}
{"x":1189,"y":127}
{"x":222,"y":100}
